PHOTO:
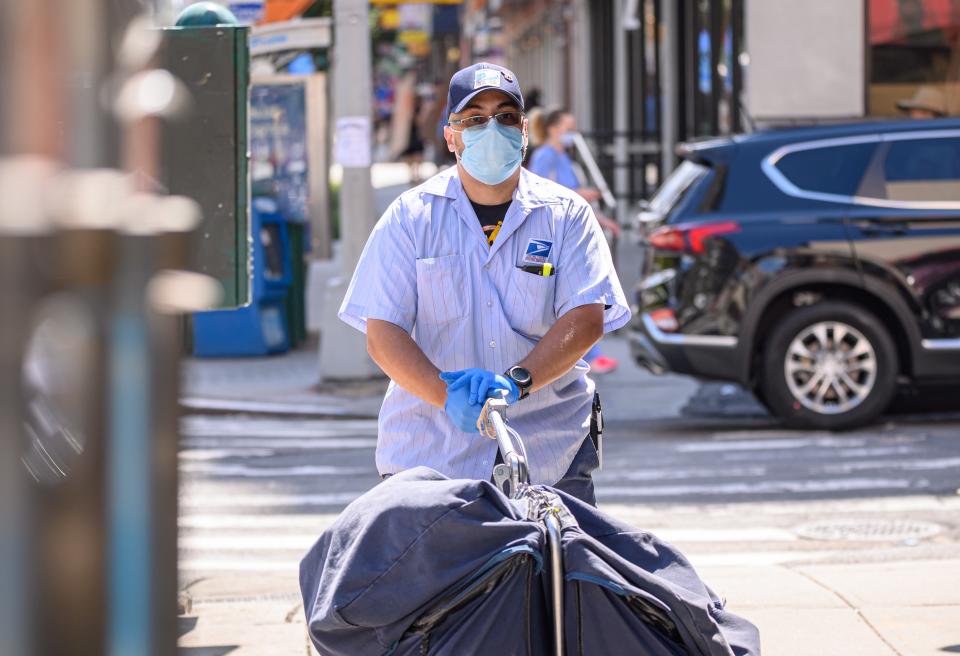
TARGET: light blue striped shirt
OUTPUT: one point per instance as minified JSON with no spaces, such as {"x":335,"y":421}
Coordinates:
{"x":427,"y":268}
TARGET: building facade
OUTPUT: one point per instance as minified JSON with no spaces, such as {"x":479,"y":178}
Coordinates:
{"x":644,"y":75}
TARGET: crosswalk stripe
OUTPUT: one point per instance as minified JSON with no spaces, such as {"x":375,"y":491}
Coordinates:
{"x":761,"y":487}
{"x":188,"y":500}
{"x":307,"y":443}
{"x":245,"y":471}
{"x":315,"y":521}
{"x":215,"y":425}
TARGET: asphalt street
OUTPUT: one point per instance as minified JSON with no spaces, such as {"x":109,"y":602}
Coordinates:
{"x":256,"y":491}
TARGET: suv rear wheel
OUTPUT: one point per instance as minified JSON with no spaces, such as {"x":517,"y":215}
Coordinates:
{"x":831,"y":365}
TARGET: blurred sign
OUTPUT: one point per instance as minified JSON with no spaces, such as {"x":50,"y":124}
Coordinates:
{"x":390,"y":19}
{"x":416,"y":18}
{"x":415,"y":2}
{"x":278,"y":138}
{"x":353,"y":141}
{"x":247,"y":13}
{"x":416,"y":41}
{"x":300,"y":34}
{"x":282,"y":10}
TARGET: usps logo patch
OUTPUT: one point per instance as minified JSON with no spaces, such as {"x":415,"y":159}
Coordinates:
{"x":538,"y":250}
{"x":486,"y":77}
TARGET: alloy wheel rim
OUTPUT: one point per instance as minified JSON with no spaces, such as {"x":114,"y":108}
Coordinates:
{"x":831,"y":368}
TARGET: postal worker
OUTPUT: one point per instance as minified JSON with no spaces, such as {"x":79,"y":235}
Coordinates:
{"x":485,"y":278}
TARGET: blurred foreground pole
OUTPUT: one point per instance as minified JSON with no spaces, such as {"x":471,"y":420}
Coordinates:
{"x":89,"y":336}
{"x":343,"y":350}
{"x":14,"y":510}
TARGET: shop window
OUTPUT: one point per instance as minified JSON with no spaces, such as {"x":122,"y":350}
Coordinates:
{"x":914,"y":57}
{"x":831,"y":170}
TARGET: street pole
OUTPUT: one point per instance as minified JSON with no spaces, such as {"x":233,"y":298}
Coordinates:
{"x":669,"y":77}
{"x":343,"y":350}
{"x":621,"y":174}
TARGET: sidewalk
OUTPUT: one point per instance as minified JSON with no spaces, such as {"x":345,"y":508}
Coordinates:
{"x":288,"y":384}
{"x":827,"y":610}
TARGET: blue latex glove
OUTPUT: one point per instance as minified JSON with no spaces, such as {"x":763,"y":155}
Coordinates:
{"x":462,"y":411}
{"x":482,"y":384}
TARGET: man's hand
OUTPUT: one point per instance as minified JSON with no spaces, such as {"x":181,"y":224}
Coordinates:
{"x":481,"y":384}
{"x":463,"y":411}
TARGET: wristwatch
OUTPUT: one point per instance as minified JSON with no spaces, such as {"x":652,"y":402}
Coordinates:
{"x":522,"y":378}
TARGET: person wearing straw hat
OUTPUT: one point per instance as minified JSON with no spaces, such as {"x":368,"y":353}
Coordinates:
{"x":926,"y":103}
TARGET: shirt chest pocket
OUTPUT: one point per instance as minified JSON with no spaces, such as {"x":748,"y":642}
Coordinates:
{"x":530,"y":302}
{"x":440,"y":289}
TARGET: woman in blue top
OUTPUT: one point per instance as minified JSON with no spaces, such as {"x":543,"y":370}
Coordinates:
{"x":554,"y":132}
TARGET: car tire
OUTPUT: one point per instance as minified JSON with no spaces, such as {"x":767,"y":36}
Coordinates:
{"x":829,"y":366}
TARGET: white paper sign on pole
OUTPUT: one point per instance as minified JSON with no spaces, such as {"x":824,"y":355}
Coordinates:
{"x":353,"y":141}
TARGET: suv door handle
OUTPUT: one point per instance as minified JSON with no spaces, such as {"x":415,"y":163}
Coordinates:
{"x":877,"y":229}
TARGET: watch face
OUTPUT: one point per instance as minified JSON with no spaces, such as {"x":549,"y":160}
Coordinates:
{"x":521,"y":376}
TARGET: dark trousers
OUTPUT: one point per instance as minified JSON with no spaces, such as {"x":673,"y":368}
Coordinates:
{"x":578,"y":481}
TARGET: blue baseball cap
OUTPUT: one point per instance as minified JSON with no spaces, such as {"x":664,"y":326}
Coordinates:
{"x":468,"y":82}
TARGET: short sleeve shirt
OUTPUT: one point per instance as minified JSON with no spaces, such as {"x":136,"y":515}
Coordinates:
{"x":427,"y":267}
{"x":555,"y":165}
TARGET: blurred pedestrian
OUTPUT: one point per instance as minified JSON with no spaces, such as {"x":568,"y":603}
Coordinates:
{"x":484,"y":280}
{"x":926,"y":103}
{"x":555,"y":133}
{"x":413,"y":153}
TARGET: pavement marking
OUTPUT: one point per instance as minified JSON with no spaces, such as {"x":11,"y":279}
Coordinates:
{"x":193,"y":500}
{"x":317,"y":521}
{"x":238,"y":565}
{"x":309,"y":444}
{"x":220,"y":454}
{"x":271,"y":407}
{"x":763,"y":487}
{"x":766,"y":445}
{"x":247,"y":425}
{"x":215,"y":470}
{"x":219,"y":542}
{"x":634,"y":513}
{"x":669,"y":474}
{"x":929,"y":464}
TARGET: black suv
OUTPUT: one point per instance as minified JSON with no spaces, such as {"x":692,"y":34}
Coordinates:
{"x":818,"y":267}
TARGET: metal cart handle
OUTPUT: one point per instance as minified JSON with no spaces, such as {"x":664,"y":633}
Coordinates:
{"x":513,"y":471}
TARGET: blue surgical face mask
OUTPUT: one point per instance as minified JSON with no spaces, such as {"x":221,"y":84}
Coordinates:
{"x":492,"y":153}
{"x":566,"y":139}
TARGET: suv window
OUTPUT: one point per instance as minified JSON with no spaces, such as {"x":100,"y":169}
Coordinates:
{"x":922,"y":170}
{"x":676,"y":186}
{"x":829,"y":169}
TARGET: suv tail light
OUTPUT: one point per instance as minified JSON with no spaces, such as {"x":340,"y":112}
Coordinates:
{"x":689,"y":238}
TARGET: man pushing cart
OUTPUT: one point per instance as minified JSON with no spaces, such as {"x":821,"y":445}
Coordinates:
{"x":487,"y":278}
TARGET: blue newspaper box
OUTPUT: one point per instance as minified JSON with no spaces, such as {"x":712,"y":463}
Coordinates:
{"x":260,"y":327}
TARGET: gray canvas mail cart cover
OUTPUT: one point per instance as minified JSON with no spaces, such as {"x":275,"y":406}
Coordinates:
{"x":422,"y":564}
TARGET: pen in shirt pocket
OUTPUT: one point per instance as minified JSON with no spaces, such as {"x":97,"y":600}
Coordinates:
{"x":546,"y":269}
